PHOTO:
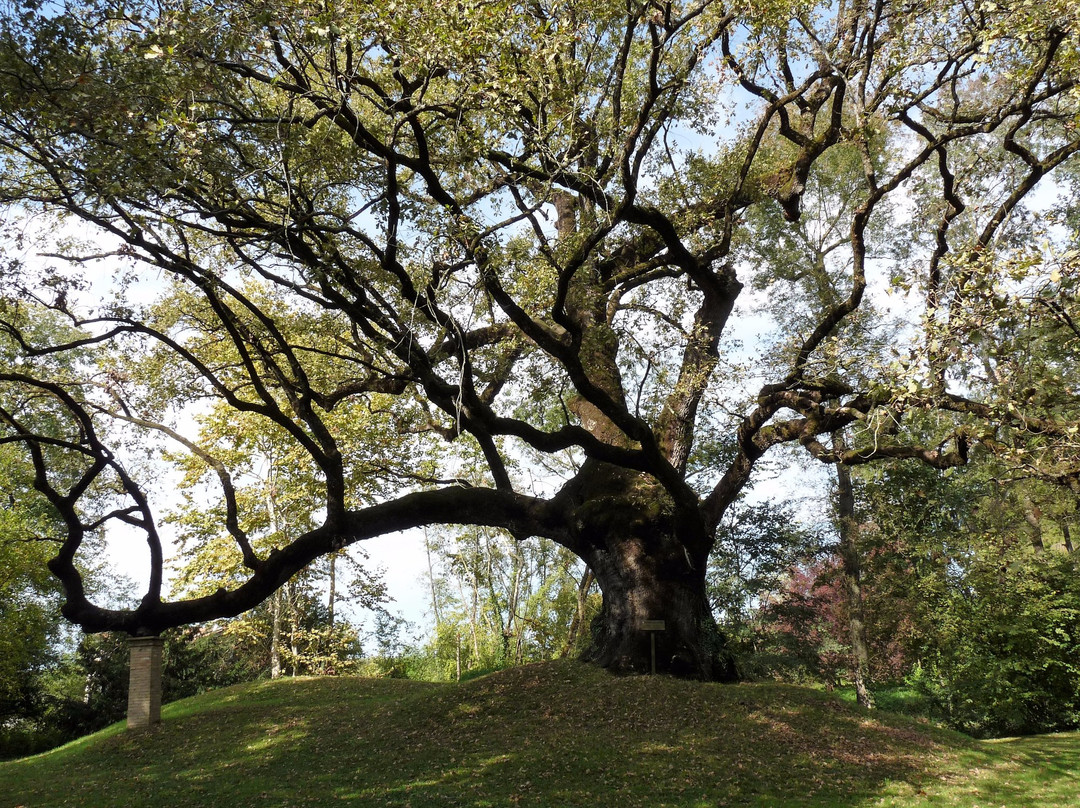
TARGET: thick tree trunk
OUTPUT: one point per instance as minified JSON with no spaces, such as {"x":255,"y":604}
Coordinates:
{"x":647,"y":572}
{"x":638,"y":591}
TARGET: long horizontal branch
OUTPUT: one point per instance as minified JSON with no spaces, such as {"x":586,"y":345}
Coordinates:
{"x":521,"y":515}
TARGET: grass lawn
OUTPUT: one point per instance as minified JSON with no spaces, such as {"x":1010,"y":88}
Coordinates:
{"x":557,"y":734}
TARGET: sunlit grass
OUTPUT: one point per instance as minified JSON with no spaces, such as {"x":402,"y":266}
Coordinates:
{"x":559,"y":734}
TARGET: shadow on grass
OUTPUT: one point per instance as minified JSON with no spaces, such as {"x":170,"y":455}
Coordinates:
{"x":551,"y":735}
{"x":1047,"y":765}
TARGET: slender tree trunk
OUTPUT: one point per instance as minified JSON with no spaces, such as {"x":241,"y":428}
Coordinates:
{"x":513,"y":623}
{"x":1033,"y":517}
{"x":488,"y":604}
{"x":849,"y":555}
{"x":431,"y":580}
{"x":275,"y":635}
{"x":472,"y":621}
{"x":577,"y":622}
{"x":474,"y":607}
{"x":458,"y":655}
{"x":294,"y":647}
{"x":1066,"y":536}
{"x":495,"y":603}
{"x":275,"y":608}
{"x":332,"y":596}
{"x":475,"y":621}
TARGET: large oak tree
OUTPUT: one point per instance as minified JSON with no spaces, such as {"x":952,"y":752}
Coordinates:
{"x":482,"y":261}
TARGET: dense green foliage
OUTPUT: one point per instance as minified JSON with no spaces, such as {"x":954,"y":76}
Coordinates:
{"x":1005,"y":656}
{"x":965,"y":603}
{"x":990,"y":608}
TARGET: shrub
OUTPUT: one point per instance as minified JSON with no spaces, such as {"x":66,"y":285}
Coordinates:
{"x":1006,"y":657}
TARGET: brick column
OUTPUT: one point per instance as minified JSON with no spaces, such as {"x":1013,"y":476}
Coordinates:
{"x":144,"y":685}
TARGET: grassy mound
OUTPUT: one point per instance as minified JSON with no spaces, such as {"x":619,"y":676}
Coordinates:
{"x":557,"y":734}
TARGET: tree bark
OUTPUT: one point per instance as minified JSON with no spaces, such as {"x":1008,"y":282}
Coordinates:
{"x":577,"y":622}
{"x":849,"y":554}
{"x":1033,"y":517}
{"x":431,"y":580}
{"x":650,"y":566}
{"x":275,"y":635}
{"x":294,"y":616}
{"x":331,"y":598}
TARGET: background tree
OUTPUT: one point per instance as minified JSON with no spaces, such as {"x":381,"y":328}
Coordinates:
{"x":990,"y":615}
{"x":757,"y":549}
{"x":300,"y":628}
{"x":32,"y":632}
{"x":30,"y":623}
{"x":499,"y":602}
{"x":517,"y":232}
{"x":960,"y":603}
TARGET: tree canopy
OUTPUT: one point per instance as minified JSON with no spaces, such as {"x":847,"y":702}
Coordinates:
{"x":489,"y":263}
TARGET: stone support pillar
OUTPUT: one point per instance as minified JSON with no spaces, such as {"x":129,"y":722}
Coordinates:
{"x":144,"y":686}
